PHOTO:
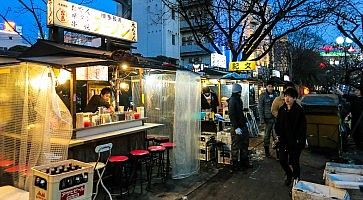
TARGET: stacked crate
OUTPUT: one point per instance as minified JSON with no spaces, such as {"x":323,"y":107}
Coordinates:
{"x":224,"y":155}
{"x":68,"y":180}
{"x":205,"y":150}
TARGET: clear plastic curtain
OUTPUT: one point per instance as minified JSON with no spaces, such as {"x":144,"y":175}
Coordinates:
{"x":186,"y":125}
{"x":36,"y":126}
{"x":159,"y":97}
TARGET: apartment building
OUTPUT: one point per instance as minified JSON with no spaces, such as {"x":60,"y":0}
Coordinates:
{"x":158,"y":29}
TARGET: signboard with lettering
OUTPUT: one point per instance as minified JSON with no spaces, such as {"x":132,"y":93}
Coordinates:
{"x":73,"y":193}
{"x":95,"y":73}
{"x":242,"y":66}
{"x":80,"y":18}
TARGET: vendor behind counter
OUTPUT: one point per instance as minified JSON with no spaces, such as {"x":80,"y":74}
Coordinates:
{"x":100,"y":101}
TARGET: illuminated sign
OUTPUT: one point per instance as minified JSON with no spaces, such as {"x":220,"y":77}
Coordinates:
{"x":242,"y":66}
{"x":95,"y":73}
{"x":9,"y":26}
{"x":80,"y":18}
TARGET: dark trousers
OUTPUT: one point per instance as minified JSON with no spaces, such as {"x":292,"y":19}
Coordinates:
{"x":291,"y":157}
{"x":240,"y":145}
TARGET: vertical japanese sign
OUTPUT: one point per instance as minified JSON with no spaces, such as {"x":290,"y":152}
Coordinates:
{"x":80,"y":18}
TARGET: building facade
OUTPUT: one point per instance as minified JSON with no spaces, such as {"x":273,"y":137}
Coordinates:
{"x":10,"y":38}
{"x":158,"y":29}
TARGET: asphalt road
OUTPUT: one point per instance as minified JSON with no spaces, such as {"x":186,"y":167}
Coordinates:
{"x":264,"y":181}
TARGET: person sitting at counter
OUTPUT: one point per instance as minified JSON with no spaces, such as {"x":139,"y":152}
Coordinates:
{"x":100,"y":101}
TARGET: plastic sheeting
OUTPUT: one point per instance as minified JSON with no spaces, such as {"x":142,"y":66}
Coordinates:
{"x":35,"y":125}
{"x":173,"y":99}
{"x":187,"y":124}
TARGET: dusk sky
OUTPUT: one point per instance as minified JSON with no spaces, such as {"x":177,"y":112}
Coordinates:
{"x":25,"y":20}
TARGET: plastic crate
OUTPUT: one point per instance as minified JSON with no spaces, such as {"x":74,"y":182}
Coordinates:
{"x":305,"y":190}
{"x":339,"y":168}
{"x":71,"y":185}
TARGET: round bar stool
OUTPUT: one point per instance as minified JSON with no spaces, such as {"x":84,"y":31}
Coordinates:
{"x":161,"y":139}
{"x":157,"y":158}
{"x":168,"y":146}
{"x":3,"y":164}
{"x":120,"y":169}
{"x":140,"y":158}
{"x":148,"y":139}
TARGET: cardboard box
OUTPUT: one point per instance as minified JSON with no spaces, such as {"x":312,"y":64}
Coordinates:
{"x":305,"y":190}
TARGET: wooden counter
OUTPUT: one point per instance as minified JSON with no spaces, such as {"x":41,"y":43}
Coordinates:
{"x":109,"y":135}
{"x":123,"y":141}
{"x":12,"y":193}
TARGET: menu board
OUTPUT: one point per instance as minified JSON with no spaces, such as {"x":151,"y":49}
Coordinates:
{"x":81,"y":18}
{"x":95,"y":73}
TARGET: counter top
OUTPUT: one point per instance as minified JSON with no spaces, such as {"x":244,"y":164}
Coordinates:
{"x":12,"y":193}
{"x":92,"y":138}
{"x":108,"y":124}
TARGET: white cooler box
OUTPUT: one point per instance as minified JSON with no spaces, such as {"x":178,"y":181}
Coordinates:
{"x":351,"y":182}
{"x":305,"y":190}
{"x":339,"y":168}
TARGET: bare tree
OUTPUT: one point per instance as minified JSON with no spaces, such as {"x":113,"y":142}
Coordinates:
{"x":245,"y":26}
{"x":306,"y":61}
{"x":348,"y":19}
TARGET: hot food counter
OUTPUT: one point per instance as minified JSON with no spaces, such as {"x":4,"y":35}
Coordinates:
{"x":124,"y":135}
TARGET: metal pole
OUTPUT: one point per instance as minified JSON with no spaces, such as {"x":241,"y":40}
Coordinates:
{"x":346,"y":66}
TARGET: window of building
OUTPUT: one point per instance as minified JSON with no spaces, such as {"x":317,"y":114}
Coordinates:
{"x":173,"y":39}
{"x":10,"y":38}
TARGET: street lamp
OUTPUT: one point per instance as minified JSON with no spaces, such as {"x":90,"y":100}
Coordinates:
{"x":345,"y":43}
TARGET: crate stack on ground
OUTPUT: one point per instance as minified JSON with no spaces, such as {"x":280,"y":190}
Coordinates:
{"x":224,"y":151}
{"x":207,"y":152}
{"x":342,"y":181}
{"x":345,"y":176}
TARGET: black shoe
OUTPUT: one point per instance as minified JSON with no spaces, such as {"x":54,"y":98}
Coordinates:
{"x":288,"y":180}
{"x":267,"y":152}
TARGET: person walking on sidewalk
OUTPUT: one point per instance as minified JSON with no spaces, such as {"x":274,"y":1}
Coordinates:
{"x":266,"y":117}
{"x":239,"y":131}
{"x":291,"y":133}
{"x":276,"y":105}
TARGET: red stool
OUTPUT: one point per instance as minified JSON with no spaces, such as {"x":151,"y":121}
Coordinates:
{"x":148,"y":139}
{"x":120,"y":169}
{"x":168,"y":146}
{"x":3,"y":164}
{"x":161,"y":139}
{"x":141,"y":158}
{"x":16,"y":168}
{"x":157,"y":157}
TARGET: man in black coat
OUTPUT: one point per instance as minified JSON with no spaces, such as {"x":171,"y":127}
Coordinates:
{"x":239,"y":131}
{"x":209,"y":100}
{"x":291,"y":130}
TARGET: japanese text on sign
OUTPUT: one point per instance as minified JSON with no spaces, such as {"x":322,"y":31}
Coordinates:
{"x":73,"y":16}
{"x":242,"y":65}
